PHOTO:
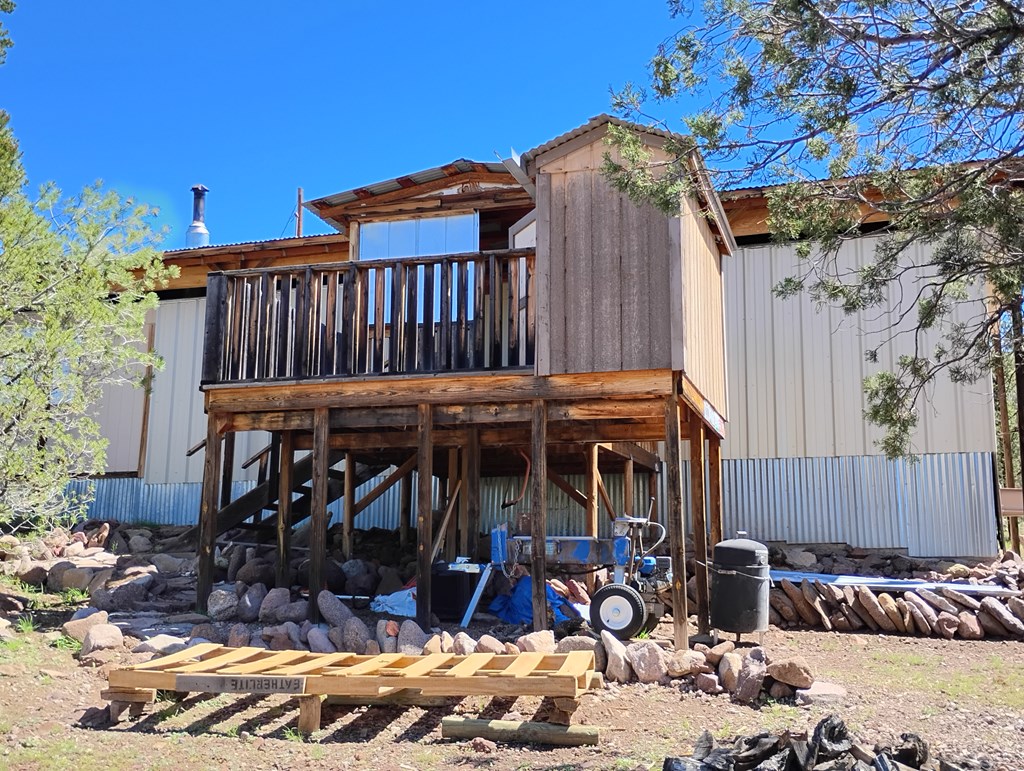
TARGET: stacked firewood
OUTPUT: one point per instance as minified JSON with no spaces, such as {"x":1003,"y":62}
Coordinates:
{"x":944,"y":612}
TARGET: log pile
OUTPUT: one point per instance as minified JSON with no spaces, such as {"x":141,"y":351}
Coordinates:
{"x":945,"y":612}
{"x":828,"y":748}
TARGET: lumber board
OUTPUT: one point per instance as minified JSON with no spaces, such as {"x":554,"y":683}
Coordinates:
{"x":526,"y":732}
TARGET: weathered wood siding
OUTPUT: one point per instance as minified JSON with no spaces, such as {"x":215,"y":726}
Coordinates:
{"x":605,"y":291}
{"x":703,"y":334}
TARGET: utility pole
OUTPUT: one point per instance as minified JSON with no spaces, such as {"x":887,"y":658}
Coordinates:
{"x":298,"y":216}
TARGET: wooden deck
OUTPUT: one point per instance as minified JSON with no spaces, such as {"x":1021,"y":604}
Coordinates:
{"x":212,"y":668}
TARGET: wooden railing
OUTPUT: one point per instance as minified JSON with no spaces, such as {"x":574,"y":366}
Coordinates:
{"x":458,"y":312}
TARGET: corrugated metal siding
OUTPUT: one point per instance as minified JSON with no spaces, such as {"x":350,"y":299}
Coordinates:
{"x":176,"y":417}
{"x":795,"y":384}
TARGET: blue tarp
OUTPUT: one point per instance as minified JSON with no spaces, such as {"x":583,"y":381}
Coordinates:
{"x":517,"y":608}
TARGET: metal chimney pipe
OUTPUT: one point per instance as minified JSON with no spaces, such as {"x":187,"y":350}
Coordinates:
{"x":197,"y":234}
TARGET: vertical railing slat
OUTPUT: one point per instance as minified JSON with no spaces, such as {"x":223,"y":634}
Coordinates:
{"x":378,"y":319}
{"x":444,"y":357}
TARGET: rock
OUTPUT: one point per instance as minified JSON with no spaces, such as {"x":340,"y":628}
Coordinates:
{"x":122,"y":594}
{"x":275,"y":599}
{"x":729,"y":670}
{"x":165,"y":563}
{"x":334,"y":611}
{"x":512,"y":649}
{"x":411,"y":638}
{"x":489,"y":644}
{"x":1013,"y":624}
{"x":99,"y":580}
{"x":937,"y":602}
{"x":162,"y":644}
{"x":372,"y":648}
{"x":102,"y":637}
{"x":392,"y":629}
{"x":238,"y":636}
{"x":585,"y":643}
{"x":293,"y":611}
{"x":649,"y":661}
{"x":212,"y":632}
{"x":991,"y":625}
{"x":619,"y":670}
{"x":1016,"y":606}
{"x":888,"y":605}
{"x":235,"y":563}
{"x":685,"y":662}
{"x":390,"y":580}
{"x":222,"y":604}
{"x":139,"y":544}
{"x":77,"y":627}
{"x":319,"y":642}
{"x":969,"y":628}
{"x":799,"y":559}
{"x":781,"y":691}
{"x":707,"y":683}
{"x":714,"y":655}
{"x":750,"y":680}
{"x":363,"y":585}
{"x":432,"y":645}
{"x":55,"y":573}
{"x":388,"y":643}
{"x":32,"y":573}
{"x":447,"y":643}
{"x":355,"y":635}
{"x":925,"y":610}
{"x":463,"y":644}
{"x":256,"y":640}
{"x":803,"y":608}
{"x":537,"y":642}
{"x":946,"y":624}
{"x":821,"y":693}
{"x":959,"y":598}
{"x":354,"y":568}
{"x":793,"y":671}
{"x":257,"y":571}
{"x":871,"y":604}
{"x":248,"y":609}
{"x":480,"y":744}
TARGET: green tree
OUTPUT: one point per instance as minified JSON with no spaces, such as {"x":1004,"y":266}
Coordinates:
{"x":845,"y":111}
{"x":76,"y":281}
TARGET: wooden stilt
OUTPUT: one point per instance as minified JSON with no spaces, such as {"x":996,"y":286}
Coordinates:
{"x":451,"y":543}
{"x":424,"y":515}
{"x":591,"y":477}
{"x":674,"y":513}
{"x":285,"y":485}
{"x":228,"y":470}
{"x":472,"y":493}
{"x":318,"y":508}
{"x":208,"y":514}
{"x":309,"y":714}
{"x":463,"y":517}
{"x":627,"y":488}
{"x":539,"y":520}
{"x":652,"y":494}
{"x":348,"y":521}
{"x":715,"y":488}
{"x":698,"y":517}
{"x":405,"y":510}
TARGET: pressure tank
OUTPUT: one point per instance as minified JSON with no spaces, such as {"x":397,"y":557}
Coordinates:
{"x":739,"y":586}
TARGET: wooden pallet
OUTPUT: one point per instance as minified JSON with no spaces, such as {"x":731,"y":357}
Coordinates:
{"x":212,"y":668}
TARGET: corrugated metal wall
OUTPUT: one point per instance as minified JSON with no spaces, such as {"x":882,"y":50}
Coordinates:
{"x":795,"y":375}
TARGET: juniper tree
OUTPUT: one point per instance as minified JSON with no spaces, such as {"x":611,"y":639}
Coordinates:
{"x":909,"y":112}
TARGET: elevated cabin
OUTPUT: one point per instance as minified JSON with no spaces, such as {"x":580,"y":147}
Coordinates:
{"x":518,"y":317}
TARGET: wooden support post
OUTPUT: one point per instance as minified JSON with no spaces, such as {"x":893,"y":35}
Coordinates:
{"x":208,"y":514}
{"x":1018,"y":379}
{"x":674,"y":513}
{"x":318,"y":508}
{"x":348,"y":522}
{"x":627,"y":489}
{"x":472,"y":493}
{"x":539,"y":520}
{"x":405,"y":510}
{"x":424,"y":514}
{"x":698,"y":517}
{"x":463,"y":516}
{"x":451,"y":542}
{"x":228,"y":470}
{"x":591,"y":477}
{"x":519,"y":731}
{"x":715,"y":488}
{"x":309,"y":714}
{"x":285,"y":485}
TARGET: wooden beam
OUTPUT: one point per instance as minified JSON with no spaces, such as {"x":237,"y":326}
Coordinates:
{"x":405,"y":510}
{"x":698,"y":516}
{"x":539,"y":520}
{"x":563,"y":484}
{"x":348,"y":515}
{"x":284,"y":506}
{"x":472,"y":478}
{"x":676,"y":533}
{"x":462,"y":522}
{"x":628,"y":493}
{"x":402,"y":471}
{"x":715,"y":488}
{"x":633,"y":452}
{"x":591,"y":477}
{"x":318,"y":509}
{"x":208,"y":514}
{"x":605,"y":498}
{"x":424,"y":515}
{"x":451,"y":543}
{"x":227,"y":470}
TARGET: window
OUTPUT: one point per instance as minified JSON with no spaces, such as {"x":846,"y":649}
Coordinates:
{"x":419,"y":237}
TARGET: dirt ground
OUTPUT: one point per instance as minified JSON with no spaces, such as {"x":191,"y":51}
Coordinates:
{"x":965,"y":698}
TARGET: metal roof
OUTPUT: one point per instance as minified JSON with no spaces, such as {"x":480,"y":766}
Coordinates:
{"x":596,"y":122}
{"x":460,"y":166}
{"x":250,"y":246}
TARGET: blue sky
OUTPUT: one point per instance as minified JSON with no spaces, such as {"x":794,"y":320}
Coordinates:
{"x":255,"y":99}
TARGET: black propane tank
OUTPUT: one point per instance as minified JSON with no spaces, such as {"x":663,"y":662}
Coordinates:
{"x":739,"y":586}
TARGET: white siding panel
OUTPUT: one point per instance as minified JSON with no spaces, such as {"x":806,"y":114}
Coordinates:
{"x":796,"y":374}
{"x":176,"y":417}
{"x":120,"y":417}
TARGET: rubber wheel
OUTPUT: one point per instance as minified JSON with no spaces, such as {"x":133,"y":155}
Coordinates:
{"x":619,"y":610}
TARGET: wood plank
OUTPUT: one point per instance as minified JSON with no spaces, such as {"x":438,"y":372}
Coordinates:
{"x":360,"y":363}
{"x":553,"y":308}
{"x":628,"y":494}
{"x":266,"y":306}
{"x":471,"y":451}
{"x":379,"y":302}
{"x":591,"y":476}
{"x":524,"y":665}
{"x":386,"y":484}
{"x":460,"y":357}
{"x":211,"y":665}
{"x":454,"y":486}
{"x":214,"y":328}
{"x":186,"y":654}
{"x":266,"y":662}
{"x":477,"y":360}
{"x":518,"y":731}
{"x":412,"y":295}
{"x":309,"y":714}
{"x":538,"y":524}
{"x":372,"y":665}
{"x":513,"y":344}
{"x":348,"y":517}
{"x":347,"y":332}
{"x":424,"y":515}
{"x":397,"y":318}
{"x":227,"y":469}
{"x":531,"y":312}
{"x":605,"y":498}
{"x":674,"y":513}
{"x":581,"y":336}
{"x":285,"y":486}
{"x":715,"y":487}
{"x":303,"y":320}
{"x":444,"y":353}
{"x":577,"y":663}
{"x":469,"y":666}
{"x":318,"y":509}
{"x":609,"y":276}
{"x":424,"y":666}
{"x":208,"y":513}
{"x":426,"y":363}
{"x":563,"y":484}
{"x":285,"y":327}
{"x":315,"y":665}
{"x":496,"y":295}
{"x":329,"y":352}
{"x":405,"y":509}
{"x":698,"y":516}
